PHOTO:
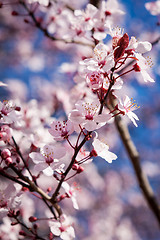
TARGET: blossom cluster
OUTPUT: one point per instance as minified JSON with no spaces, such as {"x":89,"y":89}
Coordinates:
{"x":40,"y":155}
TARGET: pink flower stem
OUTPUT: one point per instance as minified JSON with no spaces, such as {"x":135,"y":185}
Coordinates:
{"x":71,"y":176}
{"x":20,"y":154}
{"x":124,"y":73}
{"x":70,"y":143}
{"x":78,"y":137}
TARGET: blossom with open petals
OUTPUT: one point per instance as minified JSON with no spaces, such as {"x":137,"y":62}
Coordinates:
{"x":63,"y":228}
{"x":101,"y":59}
{"x":87,"y":114}
{"x":61,"y":130}
{"x":47,"y":158}
{"x":142,"y":66}
{"x":102,"y":151}
{"x":70,"y":191}
{"x":9,"y":113}
{"x":127,"y":106}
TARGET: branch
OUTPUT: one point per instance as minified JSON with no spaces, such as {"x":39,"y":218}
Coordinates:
{"x":95,"y":2}
{"x":46,"y":33}
{"x":135,"y":159}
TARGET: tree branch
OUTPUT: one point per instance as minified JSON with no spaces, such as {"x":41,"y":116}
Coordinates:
{"x":135,"y":159}
{"x":95,"y":2}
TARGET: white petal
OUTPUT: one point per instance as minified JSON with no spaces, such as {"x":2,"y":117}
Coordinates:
{"x":48,"y":171}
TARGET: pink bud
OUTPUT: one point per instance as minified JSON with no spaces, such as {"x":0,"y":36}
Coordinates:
{"x":93,"y":153}
{"x":32,"y":219}
{"x":8,"y":160}
{"x":136,"y":68}
{"x":14,"y":13}
{"x":62,"y":197}
{"x":22,"y":233}
{"x":5,"y":153}
{"x":75,"y":167}
{"x":80,"y":169}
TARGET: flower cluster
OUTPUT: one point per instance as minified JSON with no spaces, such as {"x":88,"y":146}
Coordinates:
{"x":42,"y":153}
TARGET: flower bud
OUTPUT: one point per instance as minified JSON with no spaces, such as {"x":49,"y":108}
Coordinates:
{"x":75,"y":167}
{"x":8,"y":160}
{"x":80,"y":169}
{"x":32,"y":219}
{"x":93,"y":153}
{"x":22,"y":233}
{"x":5,"y":153}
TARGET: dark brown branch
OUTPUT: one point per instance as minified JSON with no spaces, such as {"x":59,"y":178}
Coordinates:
{"x":12,"y":178}
{"x":95,"y":2}
{"x":135,"y":159}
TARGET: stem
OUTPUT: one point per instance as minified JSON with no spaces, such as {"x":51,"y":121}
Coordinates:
{"x":10,"y":177}
{"x":29,"y":229}
{"x":135,"y":160}
{"x":77,"y":149}
{"x":105,"y":97}
{"x":70,"y":143}
{"x":19,"y":153}
{"x":124,"y":73}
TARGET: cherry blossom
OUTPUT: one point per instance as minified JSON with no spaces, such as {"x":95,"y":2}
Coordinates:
{"x":41,"y":2}
{"x":87,"y":114}
{"x":61,"y":130}
{"x":70,"y":191}
{"x":127,"y":106}
{"x":107,"y":16}
{"x":8,"y":231}
{"x":139,"y":46}
{"x":5,"y":133}
{"x":38,"y":169}
{"x":102,"y":150}
{"x":142,"y":66}
{"x":47,"y":158}
{"x":10,"y":198}
{"x":87,"y":16}
{"x":102,"y":60}
{"x":153,"y":7}
{"x":63,"y":229}
{"x":9,"y":113}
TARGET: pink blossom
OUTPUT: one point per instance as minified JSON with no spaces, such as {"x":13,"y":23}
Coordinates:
{"x":5,"y":133}
{"x":107,"y":15}
{"x":63,"y":229}
{"x":153,"y":7}
{"x":9,"y":113}
{"x":41,"y":2}
{"x":127,"y":106}
{"x":61,"y":130}
{"x":10,"y":197}
{"x":139,"y":46}
{"x":46,"y":159}
{"x":142,"y":66}
{"x":87,"y":114}
{"x":70,"y":191}
{"x":101,"y":59}
{"x":102,"y":151}
{"x":9,"y":232}
{"x":87,"y":16}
